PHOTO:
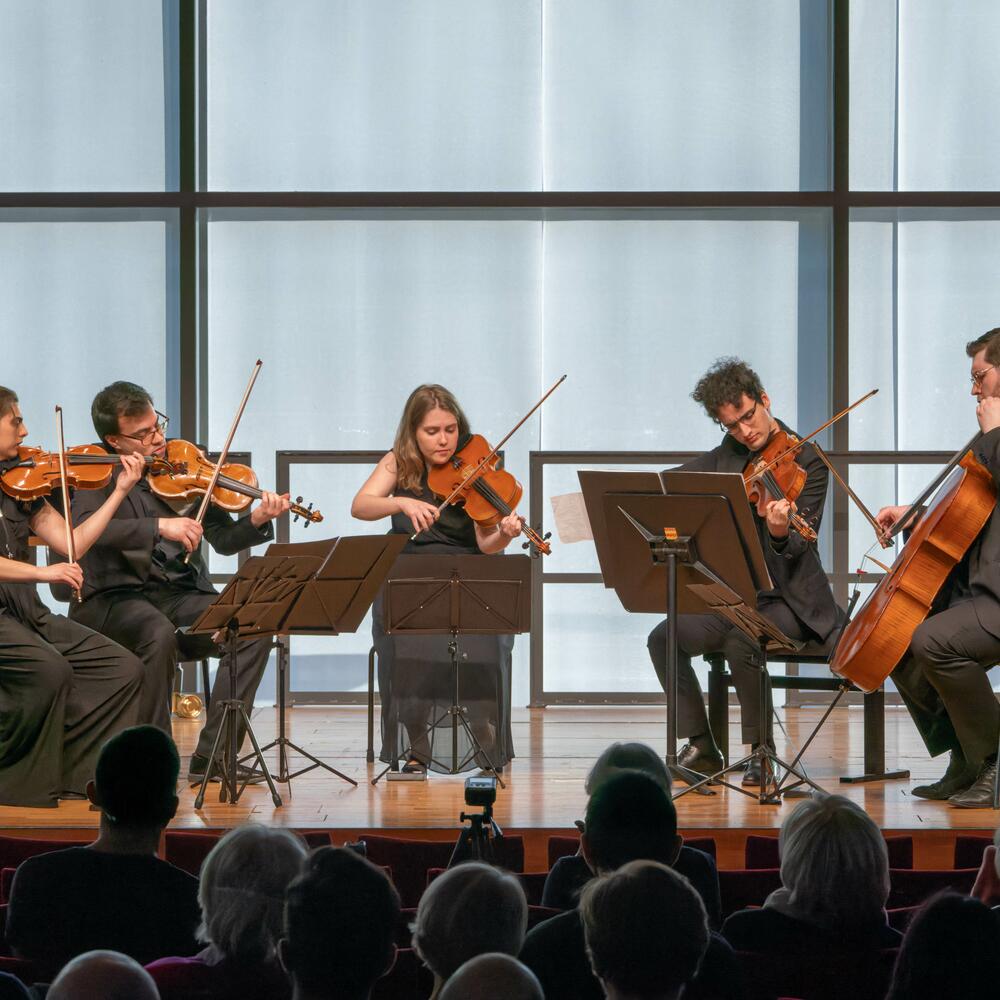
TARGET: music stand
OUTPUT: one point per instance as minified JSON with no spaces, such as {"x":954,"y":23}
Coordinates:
{"x":457,"y":595}
{"x":323,"y":587}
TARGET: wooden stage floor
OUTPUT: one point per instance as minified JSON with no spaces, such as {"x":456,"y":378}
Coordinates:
{"x":544,"y":794}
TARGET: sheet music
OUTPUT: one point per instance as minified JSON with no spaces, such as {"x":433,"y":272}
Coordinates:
{"x":572,"y":522}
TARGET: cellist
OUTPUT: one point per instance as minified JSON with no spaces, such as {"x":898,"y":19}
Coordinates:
{"x":943,"y":677}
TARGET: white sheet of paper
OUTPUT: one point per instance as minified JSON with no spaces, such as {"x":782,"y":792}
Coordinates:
{"x":572,"y":523}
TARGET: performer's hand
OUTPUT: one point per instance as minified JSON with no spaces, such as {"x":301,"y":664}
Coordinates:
{"x":988,"y":414}
{"x":888,"y":516}
{"x":778,"y":513}
{"x":133,"y":467}
{"x":271,"y":505}
{"x":510,"y":526}
{"x":987,"y":886}
{"x":185,"y":530}
{"x":422,"y":515}
{"x":62,"y":572}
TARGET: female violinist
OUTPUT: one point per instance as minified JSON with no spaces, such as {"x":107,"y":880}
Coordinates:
{"x":64,"y":690}
{"x":415,"y":671}
{"x":801,"y":602}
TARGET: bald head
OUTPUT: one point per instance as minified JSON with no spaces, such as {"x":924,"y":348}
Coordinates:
{"x":105,"y":974}
{"x":493,"y":976}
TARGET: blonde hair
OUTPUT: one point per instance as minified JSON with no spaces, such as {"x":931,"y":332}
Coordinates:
{"x":410,"y":464}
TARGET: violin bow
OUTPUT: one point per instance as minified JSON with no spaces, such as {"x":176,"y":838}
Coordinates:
{"x":224,"y":454}
{"x":67,"y":506}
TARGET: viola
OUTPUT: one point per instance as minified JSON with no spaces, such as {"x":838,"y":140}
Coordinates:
{"x":471,"y":476}
{"x":773,"y":472}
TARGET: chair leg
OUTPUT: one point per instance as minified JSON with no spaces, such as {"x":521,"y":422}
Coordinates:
{"x":205,"y":684}
{"x":718,"y":702}
{"x":370,"y":753}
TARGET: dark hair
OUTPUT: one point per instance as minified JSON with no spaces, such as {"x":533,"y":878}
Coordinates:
{"x":646,"y":928}
{"x":727,"y":381}
{"x":120,"y":399}
{"x":991,"y":341}
{"x":950,"y":949}
{"x":340,"y":917}
{"x":630,"y":817}
{"x":7,"y":400}
{"x":136,"y":777}
{"x":627,"y":757}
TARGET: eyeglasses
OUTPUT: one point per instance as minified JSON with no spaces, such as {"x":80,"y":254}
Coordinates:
{"x":976,"y":378}
{"x":744,"y":420}
{"x":147,"y":437}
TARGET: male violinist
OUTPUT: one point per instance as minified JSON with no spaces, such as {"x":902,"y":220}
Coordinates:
{"x":64,"y":690}
{"x":801,"y":603}
{"x":138,"y":590}
{"x":943,"y":678}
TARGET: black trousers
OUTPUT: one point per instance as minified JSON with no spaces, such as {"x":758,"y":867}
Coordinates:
{"x":699,"y":634}
{"x":945,"y":686}
{"x":64,"y":691}
{"x":146,"y":622}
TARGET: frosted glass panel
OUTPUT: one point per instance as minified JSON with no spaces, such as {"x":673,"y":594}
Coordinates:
{"x":672,"y":95}
{"x":389,"y":95}
{"x":86,"y":302}
{"x":88,"y":95}
{"x":873,"y":96}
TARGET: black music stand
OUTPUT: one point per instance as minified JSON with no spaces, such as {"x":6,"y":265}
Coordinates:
{"x":457,"y":595}
{"x":323,"y":587}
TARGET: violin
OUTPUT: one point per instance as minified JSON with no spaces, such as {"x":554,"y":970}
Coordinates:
{"x":773,"y":472}
{"x":490,"y":494}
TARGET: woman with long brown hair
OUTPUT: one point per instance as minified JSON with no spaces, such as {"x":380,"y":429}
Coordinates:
{"x":415,"y":671}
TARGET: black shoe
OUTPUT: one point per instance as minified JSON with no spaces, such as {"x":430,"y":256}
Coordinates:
{"x":959,"y":776}
{"x":704,"y":762}
{"x":414,"y":766}
{"x":979,"y":795}
{"x":751,"y":774}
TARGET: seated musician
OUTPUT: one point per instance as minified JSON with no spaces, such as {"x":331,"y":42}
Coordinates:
{"x":64,"y":690}
{"x":138,"y":590}
{"x":943,"y":680}
{"x":801,"y":603}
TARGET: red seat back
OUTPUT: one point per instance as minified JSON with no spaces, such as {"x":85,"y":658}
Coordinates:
{"x":187,"y":849}
{"x":762,"y":852}
{"x":911,"y":888}
{"x":564,"y":847}
{"x":14,"y":850}
{"x":741,"y":888}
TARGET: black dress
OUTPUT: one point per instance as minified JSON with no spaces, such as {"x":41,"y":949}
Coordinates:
{"x":414,"y":672}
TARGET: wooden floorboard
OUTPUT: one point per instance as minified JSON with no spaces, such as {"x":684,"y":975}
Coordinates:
{"x":544,"y":795}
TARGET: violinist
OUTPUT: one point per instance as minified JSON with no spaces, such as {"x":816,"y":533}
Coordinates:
{"x":943,"y":678}
{"x":415,"y":671}
{"x":138,"y":589}
{"x":64,"y":689}
{"x":801,"y":603}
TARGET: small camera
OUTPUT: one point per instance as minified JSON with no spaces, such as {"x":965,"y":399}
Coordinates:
{"x":480,"y":792}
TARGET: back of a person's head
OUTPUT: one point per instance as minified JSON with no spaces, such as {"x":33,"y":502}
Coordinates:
{"x":242,"y":888}
{"x":341,"y":913}
{"x":627,"y":757}
{"x":834,"y":863}
{"x":492,"y":976}
{"x":646,"y":929}
{"x":469,"y":910}
{"x":105,"y":974}
{"x":630,"y":817}
{"x":951,"y":949}
{"x":136,"y":778}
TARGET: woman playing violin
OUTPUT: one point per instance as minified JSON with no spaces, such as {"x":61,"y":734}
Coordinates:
{"x":801,"y":603}
{"x":64,"y":690}
{"x":415,"y":671}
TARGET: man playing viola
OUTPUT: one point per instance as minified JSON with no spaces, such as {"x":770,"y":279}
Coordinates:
{"x":138,"y":590}
{"x":64,"y":690}
{"x":801,"y":603}
{"x":943,"y":678}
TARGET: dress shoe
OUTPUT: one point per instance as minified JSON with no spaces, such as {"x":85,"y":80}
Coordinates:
{"x":700,"y":761}
{"x":751,"y":774}
{"x":959,"y":776}
{"x":979,"y":795}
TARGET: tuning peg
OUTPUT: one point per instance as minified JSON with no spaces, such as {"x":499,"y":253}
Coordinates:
{"x":308,"y":520}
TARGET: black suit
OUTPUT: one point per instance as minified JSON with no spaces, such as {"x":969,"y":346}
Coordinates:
{"x":138,"y":592}
{"x":801,"y":603}
{"x":943,"y":677}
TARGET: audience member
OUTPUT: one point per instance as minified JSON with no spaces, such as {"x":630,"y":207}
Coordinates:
{"x":492,"y":976}
{"x":242,"y":894}
{"x":646,"y":931}
{"x":470,"y":910}
{"x":951,"y":949}
{"x":630,"y":817}
{"x":341,"y":914}
{"x":835,"y":881}
{"x":107,"y":975}
{"x":987,"y":885}
{"x":114,"y":894}
{"x":569,"y":875}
